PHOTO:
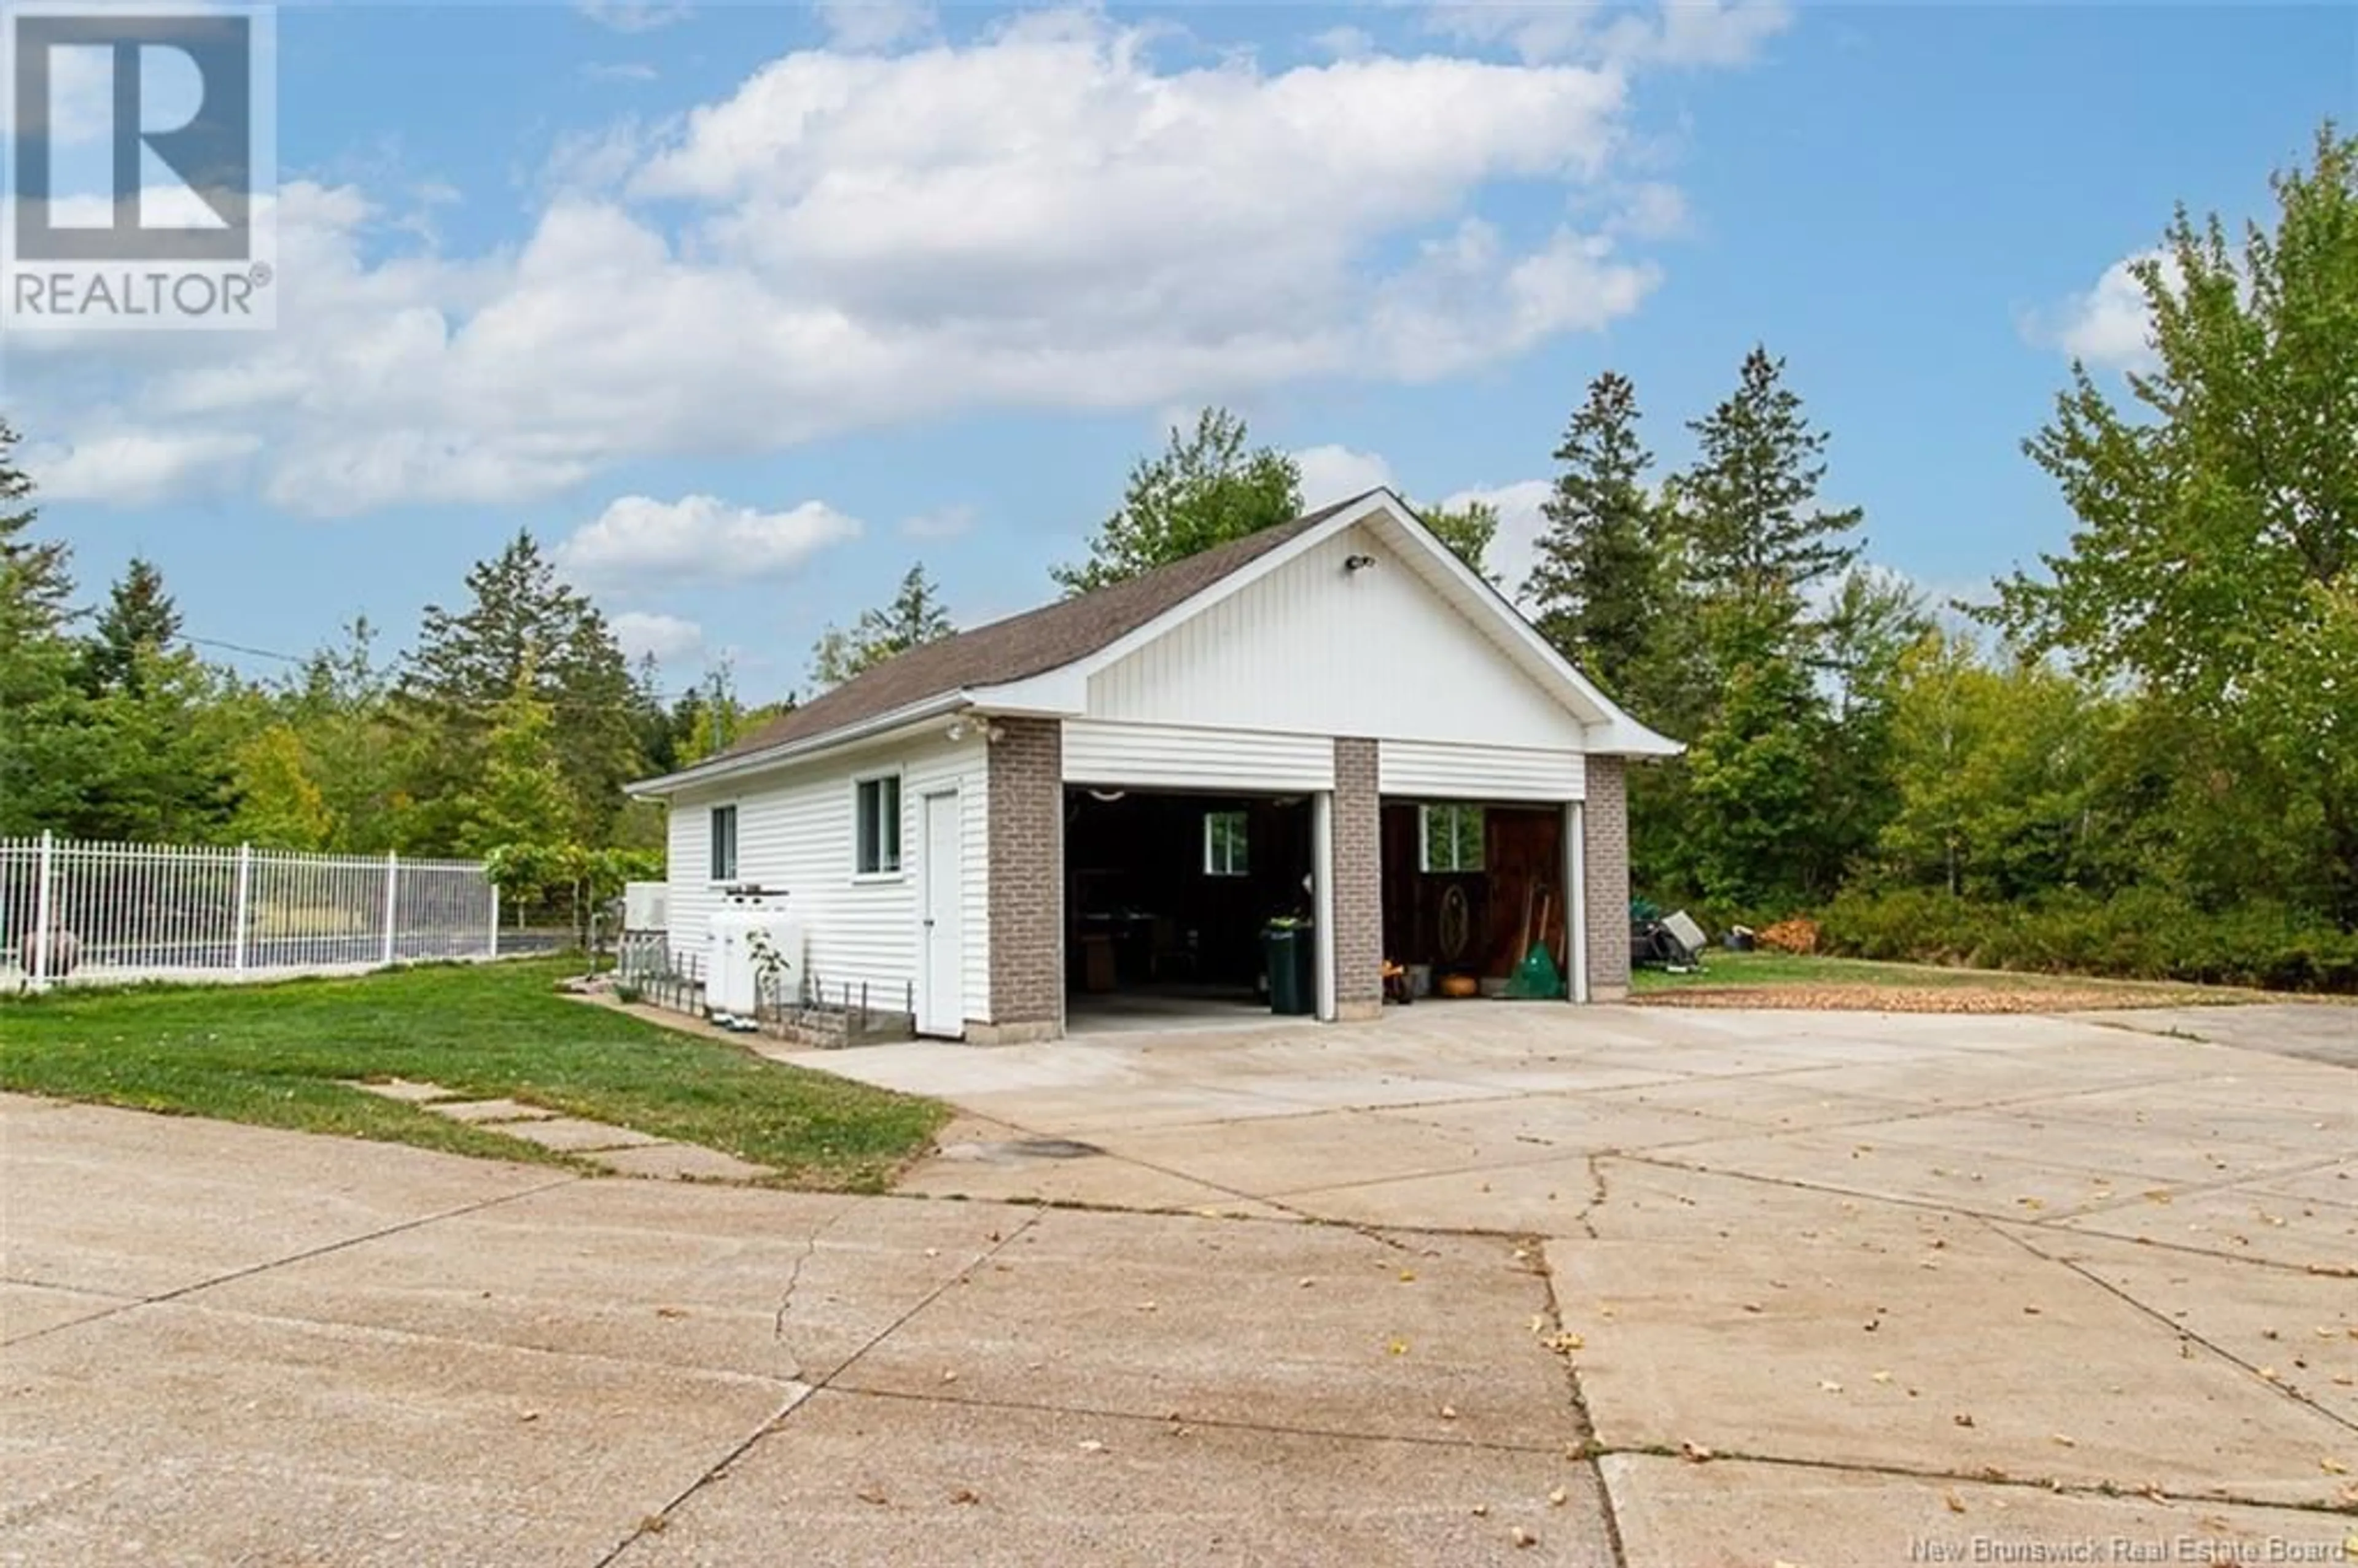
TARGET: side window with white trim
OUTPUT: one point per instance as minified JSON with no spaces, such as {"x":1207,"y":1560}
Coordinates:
{"x":876,"y":805}
{"x":723,"y":862}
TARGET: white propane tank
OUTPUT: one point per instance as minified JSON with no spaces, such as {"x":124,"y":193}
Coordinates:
{"x":751,"y":940}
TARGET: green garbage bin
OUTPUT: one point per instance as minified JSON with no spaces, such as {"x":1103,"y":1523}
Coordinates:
{"x":1292,"y":967}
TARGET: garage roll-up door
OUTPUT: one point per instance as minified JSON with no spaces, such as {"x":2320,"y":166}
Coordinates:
{"x":1436,"y":769}
{"x":1162,"y":756}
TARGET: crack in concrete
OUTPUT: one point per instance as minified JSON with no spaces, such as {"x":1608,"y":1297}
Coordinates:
{"x":1728,"y":1131}
{"x":661,"y":1518}
{"x":41,"y":1284}
{"x":320,"y":1251}
{"x":1796,"y":1184}
{"x":2054,"y":1224}
{"x":1592,"y":1454}
{"x":1221,"y":1423}
{"x":1597,"y":1198}
{"x":1899,"y":1112}
{"x":1990,"y":1477}
{"x":2197,"y":1189}
{"x":2107,"y":1489}
{"x":795,"y":1272}
{"x":2183,"y":1333}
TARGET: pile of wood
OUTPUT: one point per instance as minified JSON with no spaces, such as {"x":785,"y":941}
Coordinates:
{"x":1798,"y":935}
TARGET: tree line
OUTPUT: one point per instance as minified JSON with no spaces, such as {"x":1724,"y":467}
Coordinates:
{"x":506,"y":732}
{"x":2141,"y":757}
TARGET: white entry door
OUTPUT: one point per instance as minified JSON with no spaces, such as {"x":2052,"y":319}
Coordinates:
{"x":941,"y":1000}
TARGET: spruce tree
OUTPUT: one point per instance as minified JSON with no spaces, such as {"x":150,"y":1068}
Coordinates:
{"x":48,"y":737}
{"x":140,"y":617}
{"x":709,"y":719}
{"x":915,"y":614}
{"x":915,"y":617}
{"x":521,"y":622}
{"x":34,"y":580}
{"x":1756,"y":540}
{"x":1596,"y":591}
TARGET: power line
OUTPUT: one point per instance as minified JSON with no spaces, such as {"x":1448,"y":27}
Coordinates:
{"x":242,"y":648}
{"x":560,"y":703}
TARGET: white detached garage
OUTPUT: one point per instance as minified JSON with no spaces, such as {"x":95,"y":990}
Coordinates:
{"x":1094,"y":809}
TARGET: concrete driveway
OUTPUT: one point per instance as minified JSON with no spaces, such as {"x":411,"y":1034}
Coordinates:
{"x":1913,"y":1283}
{"x":1623,"y":1286}
{"x":226,"y":1344}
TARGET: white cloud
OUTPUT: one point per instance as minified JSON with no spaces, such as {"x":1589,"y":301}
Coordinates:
{"x":135,"y":469}
{"x":1344,"y":43}
{"x":1333,"y":473}
{"x":634,"y":15}
{"x":1465,"y":301}
{"x":1688,"y":33}
{"x":1535,"y":29}
{"x":669,"y":638}
{"x":1713,"y":32}
{"x":942,"y":522}
{"x":1512,"y":548}
{"x":873,"y":24}
{"x":1650,"y":210}
{"x":697,"y":538}
{"x":1043,"y":218}
{"x":2109,"y":326}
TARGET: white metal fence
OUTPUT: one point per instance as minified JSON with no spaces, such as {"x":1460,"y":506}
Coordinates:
{"x":112,"y":912}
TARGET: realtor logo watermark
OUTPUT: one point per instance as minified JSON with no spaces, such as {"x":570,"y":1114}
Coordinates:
{"x":142,"y":169}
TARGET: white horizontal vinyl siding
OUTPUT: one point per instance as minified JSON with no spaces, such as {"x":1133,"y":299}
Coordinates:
{"x":794,"y":834}
{"x":690,"y":896}
{"x":1429,"y":770}
{"x":1161,"y":756}
{"x":1316,"y":648}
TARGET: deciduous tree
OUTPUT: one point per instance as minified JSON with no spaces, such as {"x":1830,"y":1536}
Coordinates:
{"x":1468,"y":530}
{"x":2218,"y":505}
{"x":521,"y":797}
{"x":1209,"y":486}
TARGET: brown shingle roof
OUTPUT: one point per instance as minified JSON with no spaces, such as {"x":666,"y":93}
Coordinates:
{"x":1028,"y":645}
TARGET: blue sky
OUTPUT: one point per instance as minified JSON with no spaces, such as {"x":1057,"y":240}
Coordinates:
{"x":744,"y":309}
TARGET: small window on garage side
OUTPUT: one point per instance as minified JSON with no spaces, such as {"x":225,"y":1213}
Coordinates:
{"x":724,"y":843}
{"x":1452,"y":838}
{"x":877,"y":803}
{"x":1224,"y":844}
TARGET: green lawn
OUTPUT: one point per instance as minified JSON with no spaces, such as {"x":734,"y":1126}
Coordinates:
{"x":275,"y":1055}
{"x":1724,"y":970}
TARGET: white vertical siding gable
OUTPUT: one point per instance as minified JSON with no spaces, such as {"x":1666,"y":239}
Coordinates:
{"x":1316,"y":648}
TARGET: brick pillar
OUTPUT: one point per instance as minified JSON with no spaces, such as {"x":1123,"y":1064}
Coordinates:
{"x":1027,"y":792}
{"x":1358,"y":883}
{"x":1607,"y":853}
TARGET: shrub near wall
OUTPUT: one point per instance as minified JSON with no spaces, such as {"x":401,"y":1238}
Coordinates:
{"x":2138,"y":935}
